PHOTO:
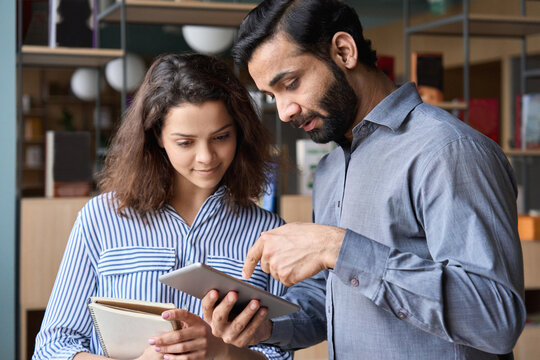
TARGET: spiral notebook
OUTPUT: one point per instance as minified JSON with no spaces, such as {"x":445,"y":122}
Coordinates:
{"x":124,"y":326}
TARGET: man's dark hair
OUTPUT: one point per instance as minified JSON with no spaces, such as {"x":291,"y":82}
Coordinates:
{"x":310,"y":23}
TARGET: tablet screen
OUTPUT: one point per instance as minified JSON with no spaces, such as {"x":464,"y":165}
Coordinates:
{"x":198,"y":279}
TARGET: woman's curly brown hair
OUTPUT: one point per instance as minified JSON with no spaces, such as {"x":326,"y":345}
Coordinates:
{"x":138,"y":171}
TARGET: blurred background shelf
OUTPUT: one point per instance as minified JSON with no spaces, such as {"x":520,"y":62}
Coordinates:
{"x":450,"y":105}
{"x":519,"y":152}
{"x":480,"y":25}
{"x":177,"y":13}
{"x":63,"y":56}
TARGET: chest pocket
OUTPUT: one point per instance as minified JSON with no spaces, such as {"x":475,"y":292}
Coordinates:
{"x":233,"y":267}
{"x":132,"y":272}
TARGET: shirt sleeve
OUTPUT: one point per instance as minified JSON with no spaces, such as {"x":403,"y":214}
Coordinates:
{"x":470,"y":290}
{"x":307,"y":326}
{"x":66,"y":327}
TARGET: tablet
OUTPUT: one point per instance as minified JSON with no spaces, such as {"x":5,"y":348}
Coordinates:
{"x":198,"y":279}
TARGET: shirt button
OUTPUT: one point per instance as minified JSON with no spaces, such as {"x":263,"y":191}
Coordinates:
{"x":189,"y":262}
{"x":354,"y":282}
{"x":401,"y":315}
{"x":328,"y":309}
{"x":185,"y":307}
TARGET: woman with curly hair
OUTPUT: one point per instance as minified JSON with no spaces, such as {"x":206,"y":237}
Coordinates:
{"x":177,"y":188}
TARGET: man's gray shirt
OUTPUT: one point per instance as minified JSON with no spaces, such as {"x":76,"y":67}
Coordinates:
{"x":431,"y":264}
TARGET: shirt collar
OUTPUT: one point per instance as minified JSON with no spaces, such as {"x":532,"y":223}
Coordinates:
{"x":393,"y":109}
{"x":211,"y":204}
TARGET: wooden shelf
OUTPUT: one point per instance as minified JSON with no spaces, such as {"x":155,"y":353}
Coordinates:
{"x":527,"y":346}
{"x":519,"y":152}
{"x":531,"y":265}
{"x":33,"y":141}
{"x":63,"y":56}
{"x":481,"y":25}
{"x":179,"y":13}
{"x":35,"y":112}
{"x":449,"y":105}
{"x":33,"y":187}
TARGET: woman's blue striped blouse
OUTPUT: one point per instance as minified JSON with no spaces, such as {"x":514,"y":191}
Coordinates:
{"x":123,"y":256}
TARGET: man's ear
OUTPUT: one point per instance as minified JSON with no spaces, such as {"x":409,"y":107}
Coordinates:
{"x":343,"y":50}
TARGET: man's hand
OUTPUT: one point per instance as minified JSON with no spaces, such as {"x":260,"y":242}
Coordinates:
{"x":247,"y":328}
{"x":295,"y":252}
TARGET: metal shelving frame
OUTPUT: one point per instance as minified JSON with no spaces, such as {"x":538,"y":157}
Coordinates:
{"x":168,"y":12}
{"x":48,"y":57}
{"x":466,"y":25}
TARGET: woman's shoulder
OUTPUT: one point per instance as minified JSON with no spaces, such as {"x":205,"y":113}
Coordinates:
{"x":259,"y":214}
{"x":101,"y":200}
{"x":101,"y":204}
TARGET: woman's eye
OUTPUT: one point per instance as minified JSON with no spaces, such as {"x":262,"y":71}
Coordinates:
{"x":292,"y":85}
{"x":183,"y":143}
{"x":222,"y":137}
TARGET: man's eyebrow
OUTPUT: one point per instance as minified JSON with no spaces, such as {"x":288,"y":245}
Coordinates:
{"x":278,"y":77}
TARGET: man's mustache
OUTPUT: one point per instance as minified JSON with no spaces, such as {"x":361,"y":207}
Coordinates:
{"x":299,"y":120}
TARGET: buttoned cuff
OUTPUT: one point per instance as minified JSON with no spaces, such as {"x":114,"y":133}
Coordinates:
{"x":282,"y":332}
{"x":361,"y":263}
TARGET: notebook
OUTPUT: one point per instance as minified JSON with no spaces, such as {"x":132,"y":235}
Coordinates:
{"x":124,"y":326}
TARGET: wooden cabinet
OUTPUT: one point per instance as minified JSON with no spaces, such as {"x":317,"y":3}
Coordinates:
{"x":45,"y":228}
{"x":299,"y":208}
{"x":527,"y":347}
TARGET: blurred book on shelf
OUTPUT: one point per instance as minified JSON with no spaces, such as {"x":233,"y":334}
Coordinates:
{"x":527,"y":114}
{"x":268,"y":199}
{"x":386,"y":65}
{"x":35,"y":22}
{"x":33,"y":157}
{"x":71,"y":23}
{"x":427,"y":73}
{"x":484,"y":116}
{"x":530,"y":120}
{"x":529,"y":227}
{"x":308,"y":155}
{"x":68,"y":168}
{"x":33,"y":129}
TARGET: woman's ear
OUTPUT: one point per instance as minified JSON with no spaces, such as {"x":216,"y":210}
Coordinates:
{"x":344,"y":51}
{"x":158,"y":138}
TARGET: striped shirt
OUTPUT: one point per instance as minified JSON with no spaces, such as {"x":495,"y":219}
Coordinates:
{"x":123,"y":256}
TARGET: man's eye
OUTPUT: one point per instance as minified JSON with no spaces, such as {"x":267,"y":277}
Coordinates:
{"x":292,"y":85}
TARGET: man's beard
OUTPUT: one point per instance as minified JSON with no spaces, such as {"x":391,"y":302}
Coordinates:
{"x":340,"y":103}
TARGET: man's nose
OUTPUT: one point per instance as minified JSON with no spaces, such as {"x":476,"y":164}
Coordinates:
{"x":287,"y":109}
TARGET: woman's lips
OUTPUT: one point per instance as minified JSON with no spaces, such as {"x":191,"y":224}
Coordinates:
{"x":207,"y":171}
